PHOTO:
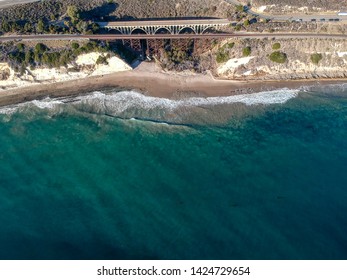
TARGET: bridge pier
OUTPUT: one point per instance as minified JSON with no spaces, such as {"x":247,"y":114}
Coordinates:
{"x":150,"y":47}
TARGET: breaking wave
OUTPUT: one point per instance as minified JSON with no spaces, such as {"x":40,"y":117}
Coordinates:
{"x":134,"y":105}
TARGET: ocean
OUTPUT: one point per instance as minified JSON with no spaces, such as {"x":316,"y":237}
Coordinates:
{"x":120,"y":175}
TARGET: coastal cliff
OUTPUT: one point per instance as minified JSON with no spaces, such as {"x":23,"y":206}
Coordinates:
{"x":269,"y":59}
{"x":83,"y":67}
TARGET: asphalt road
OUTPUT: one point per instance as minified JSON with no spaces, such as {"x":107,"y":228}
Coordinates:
{"x":7,"y":3}
{"x":171,"y":36}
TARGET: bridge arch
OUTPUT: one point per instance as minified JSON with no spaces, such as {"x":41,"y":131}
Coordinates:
{"x":186,"y":29}
{"x":138,"y":30}
{"x":206,"y":29}
{"x":114,"y":31}
{"x":162,"y":30}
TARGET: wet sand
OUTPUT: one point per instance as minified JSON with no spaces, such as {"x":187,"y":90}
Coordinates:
{"x":150,"y":80}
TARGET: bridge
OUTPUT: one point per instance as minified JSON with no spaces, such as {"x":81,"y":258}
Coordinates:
{"x":197,"y":26}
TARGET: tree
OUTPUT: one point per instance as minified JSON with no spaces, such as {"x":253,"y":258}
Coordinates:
{"x":278,"y":57}
{"x":238,"y":27}
{"x":222,"y":57}
{"x":40,"y":27}
{"x":5,"y":26}
{"x":247,"y":51}
{"x":101,"y":60}
{"x":239,"y":8}
{"x":20,"y":47}
{"x":95,"y":27}
{"x":82,"y":26}
{"x":52,"y":17}
{"x":73,"y":12}
{"x":276,"y":46}
{"x":316,"y":58}
{"x":40,"y":48}
{"x":22,"y":69}
{"x":15,"y":27}
{"x":29,"y":57}
{"x":75,"y":45}
{"x":27,"y":27}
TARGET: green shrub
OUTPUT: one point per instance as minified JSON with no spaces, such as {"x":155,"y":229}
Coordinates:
{"x":40,"y":26}
{"x":75,"y":45}
{"x":316,"y":57}
{"x":223,"y":52}
{"x":21,"y":47}
{"x":17,"y":57}
{"x":239,"y":8}
{"x":246,"y":51}
{"x":101,"y":60}
{"x":276,"y":46}
{"x":73,"y":12}
{"x":29,"y":57}
{"x":222,"y":57}
{"x":231,"y":45}
{"x":278,"y":57}
{"x":40,"y":48}
{"x":51,"y":59}
{"x":238,"y":27}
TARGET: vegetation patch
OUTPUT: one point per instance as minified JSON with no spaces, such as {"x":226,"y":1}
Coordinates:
{"x":222,"y":57}
{"x":22,"y":56}
{"x":222,"y":54}
{"x":238,"y":27}
{"x":276,"y":46}
{"x":247,"y":51}
{"x":316,"y":58}
{"x":278,"y":57}
{"x":101,"y":60}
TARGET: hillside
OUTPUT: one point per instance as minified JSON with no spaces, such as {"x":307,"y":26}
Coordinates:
{"x":117,"y":9}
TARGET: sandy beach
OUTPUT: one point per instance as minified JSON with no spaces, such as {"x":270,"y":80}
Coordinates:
{"x":151,"y":80}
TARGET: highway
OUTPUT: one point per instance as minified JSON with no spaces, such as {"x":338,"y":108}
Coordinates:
{"x":110,"y":37}
{"x":295,"y":17}
{"x":164,"y":22}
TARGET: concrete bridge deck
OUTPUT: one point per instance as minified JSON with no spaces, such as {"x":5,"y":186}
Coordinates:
{"x":164,"y":22}
{"x":174,"y":26}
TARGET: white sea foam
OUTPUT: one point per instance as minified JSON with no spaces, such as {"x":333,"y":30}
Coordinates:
{"x":8,"y":110}
{"x":125,"y":101}
{"x":46,"y":103}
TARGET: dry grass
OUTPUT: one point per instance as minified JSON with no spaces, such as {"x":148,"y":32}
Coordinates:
{"x":120,"y":9}
{"x":168,"y":8}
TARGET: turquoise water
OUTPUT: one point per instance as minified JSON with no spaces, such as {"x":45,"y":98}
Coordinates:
{"x":124,"y":176}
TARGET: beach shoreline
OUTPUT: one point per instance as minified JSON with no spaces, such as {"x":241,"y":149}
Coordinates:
{"x":150,"y":80}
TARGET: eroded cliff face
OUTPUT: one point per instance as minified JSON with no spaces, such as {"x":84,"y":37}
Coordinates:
{"x":85,"y":66}
{"x":5,"y":71}
{"x":299,"y":63}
